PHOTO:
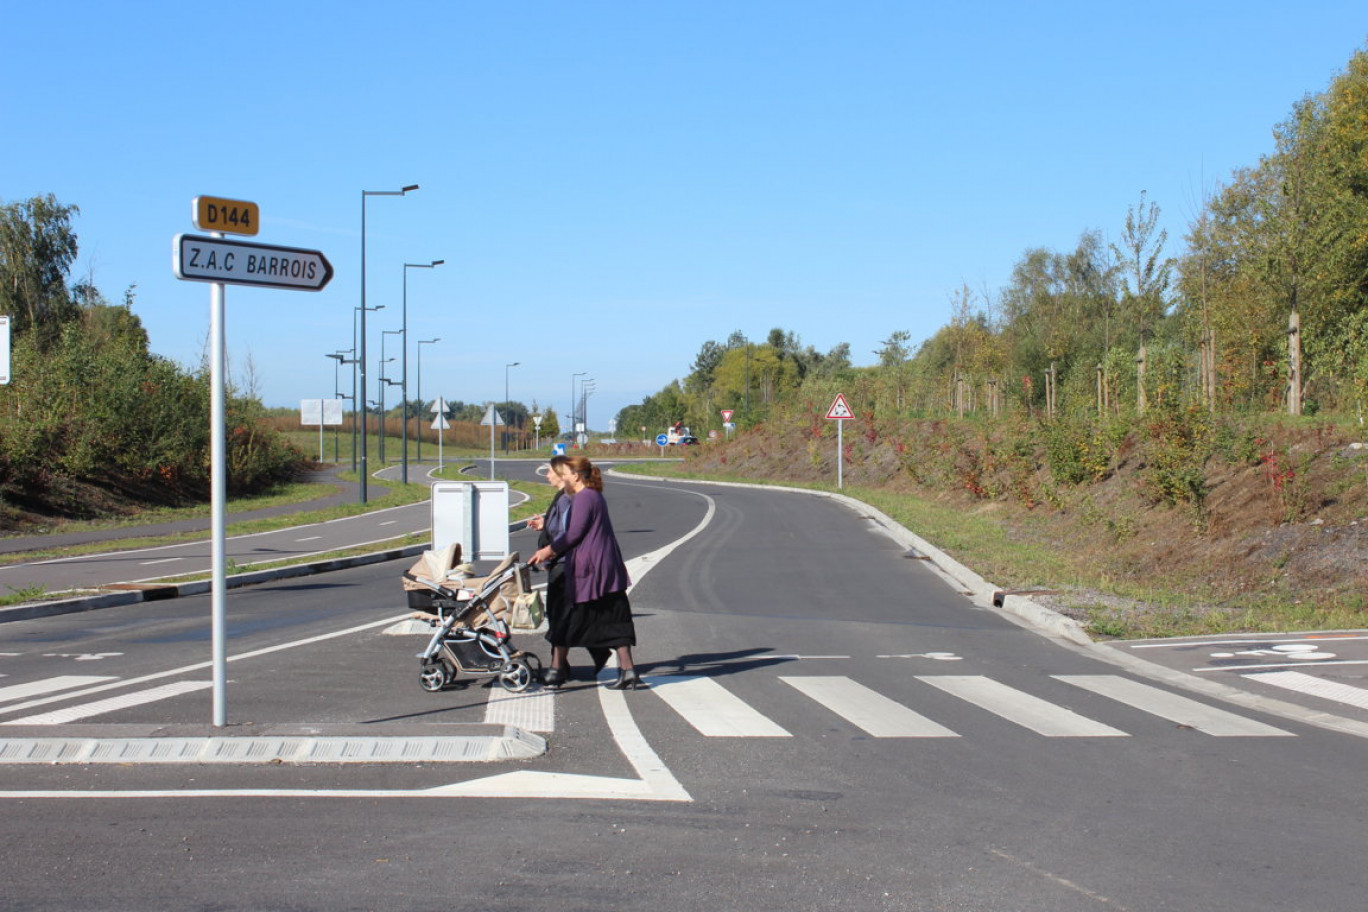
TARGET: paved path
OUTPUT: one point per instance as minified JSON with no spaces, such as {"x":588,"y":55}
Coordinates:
{"x":332,"y":490}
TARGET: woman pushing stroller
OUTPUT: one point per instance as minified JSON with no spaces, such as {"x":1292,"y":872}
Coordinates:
{"x":597,"y":614}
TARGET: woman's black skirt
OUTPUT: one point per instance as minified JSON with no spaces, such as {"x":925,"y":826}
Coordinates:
{"x":603,"y":623}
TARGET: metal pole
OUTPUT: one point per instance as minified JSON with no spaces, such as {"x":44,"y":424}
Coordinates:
{"x":364,"y":447}
{"x":506,"y":425}
{"x":404,"y":379}
{"x":573,"y":434}
{"x":218,"y":486}
{"x":362,"y":401}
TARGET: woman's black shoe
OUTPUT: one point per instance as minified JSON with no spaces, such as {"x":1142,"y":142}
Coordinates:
{"x":627,"y":680}
{"x":554,"y":677}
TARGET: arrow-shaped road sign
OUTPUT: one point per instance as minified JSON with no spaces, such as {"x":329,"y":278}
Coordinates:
{"x":208,"y":259}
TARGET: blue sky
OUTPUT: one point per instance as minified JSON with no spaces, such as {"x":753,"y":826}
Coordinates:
{"x":612,"y":184}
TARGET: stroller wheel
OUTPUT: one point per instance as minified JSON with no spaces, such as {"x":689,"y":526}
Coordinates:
{"x":433,"y":677}
{"x":517,"y":676}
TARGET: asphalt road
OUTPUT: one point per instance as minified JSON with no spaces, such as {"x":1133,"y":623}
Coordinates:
{"x":831,"y":724}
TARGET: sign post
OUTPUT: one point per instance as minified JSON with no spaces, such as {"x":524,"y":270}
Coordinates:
{"x":840,"y":413}
{"x":493,"y":419}
{"x":221,"y":262}
{"x":320,"y":412}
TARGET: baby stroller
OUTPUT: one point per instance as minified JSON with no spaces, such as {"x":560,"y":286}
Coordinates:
{"x":473,"y":636}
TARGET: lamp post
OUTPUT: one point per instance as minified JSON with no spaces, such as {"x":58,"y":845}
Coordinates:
{"x":359,"y":401}
{"x":380,"y":415}
{"x":506,"y":369}
{"x":383,"y":414}
{"x":421,"y":343}
{"x":362,"y":398}
{"x":573,"y":377}
{"x":339,"y":359}
{"x":404,"y":369}
{"x":587,"y":387}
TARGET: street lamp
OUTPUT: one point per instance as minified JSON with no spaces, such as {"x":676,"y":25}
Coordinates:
{"x":357,"y":362}
{"x":573,"y":377}
{"x":339,"y":359}
{"x":506,"y":408}
{"x":362,"y":398}
{"x":380,"y":423}
{"x":407,"y":267}
{"x":421,"y":343}
{"x":383,"y":414}
{"x":586,"y":388}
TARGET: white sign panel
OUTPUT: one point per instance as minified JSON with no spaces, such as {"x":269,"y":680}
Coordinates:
{"x":315,"y":412}
{"x":204,"y":259}
{"x":311,"y":412}
{"x":332,"y":412}
{"x":4,"y":350}
{"x":473,"y":514}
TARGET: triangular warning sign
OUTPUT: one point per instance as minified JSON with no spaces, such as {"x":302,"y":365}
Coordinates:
{"x":839,"y":408}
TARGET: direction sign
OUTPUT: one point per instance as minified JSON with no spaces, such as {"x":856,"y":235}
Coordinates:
{"x":205,"y":259}
{"x":211,"y":213}
{"x":839,"y":409}
{"x":662,"y":439}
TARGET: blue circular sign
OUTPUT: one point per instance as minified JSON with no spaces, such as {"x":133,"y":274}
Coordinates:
{"x":662,"y":439}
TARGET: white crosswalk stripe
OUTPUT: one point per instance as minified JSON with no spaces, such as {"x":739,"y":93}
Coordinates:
{"x":48,"y":685}
{"x":712,"y":709}
{"x":1173,"y":707}
{"x":868,"y":709}
{"x":1316,"y":687}
{"x":1021,"y":708}
{"x":99,"y":707}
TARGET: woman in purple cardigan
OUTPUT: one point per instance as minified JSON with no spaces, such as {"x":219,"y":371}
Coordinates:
{"x":599,"y":615}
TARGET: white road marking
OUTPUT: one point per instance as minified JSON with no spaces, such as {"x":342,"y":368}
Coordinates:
{"x":532,"y":710}
{"x":1021,"y":708}
{"x":49,"y":685}
{"x":867,"y":709}
{"x":165,"y":560}
{"x":1316,"y":687}
{"x":1318,"y":664}
{"x":1175,"y":708}
{"x":309,"y":538}
{"x":99,"y":707}
{"x":712,"y":709}
{"x":200,"y":666}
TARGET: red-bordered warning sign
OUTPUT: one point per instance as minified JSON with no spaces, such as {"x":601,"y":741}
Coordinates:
{"x":840,"y":409}
{"x":726,"y":416}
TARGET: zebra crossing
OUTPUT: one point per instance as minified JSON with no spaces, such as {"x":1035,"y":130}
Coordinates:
{"x":715,"y":711}
{"x":715,"y":707}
